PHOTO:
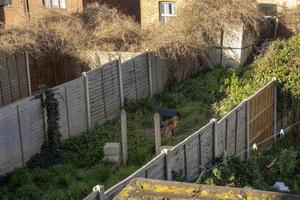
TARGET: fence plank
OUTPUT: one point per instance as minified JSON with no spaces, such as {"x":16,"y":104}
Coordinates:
{"x":177,"y":161}
{"x":193,"y":157}
{"x":97,"y":103}
{"x":13,"y":76}
{"x":60,"y":95}
{"x":22,"y":74}
{"x":111,"y":90}
{"x":5,"y":81}
{"x":241,"y":143}
{"x":221,"y":139}
{"x":128,"y":80}
{"x":10,"y":144}
{"x":32,"y":127}
{"x":76,"y":106}
{"x":231,"y":130}
{"x":142,"y":76}
{"x":207,"y":144}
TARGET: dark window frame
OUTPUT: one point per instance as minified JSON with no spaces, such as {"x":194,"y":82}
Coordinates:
{"x":6,"y":3}
{"x":59,"y":4}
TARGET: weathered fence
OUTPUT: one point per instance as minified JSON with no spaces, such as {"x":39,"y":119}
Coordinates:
{"x":84,"y":103}
{"x":232,"y":134}
{"x":13,"y":78}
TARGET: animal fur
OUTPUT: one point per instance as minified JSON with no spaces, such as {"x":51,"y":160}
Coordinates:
{"x":170,"y":126}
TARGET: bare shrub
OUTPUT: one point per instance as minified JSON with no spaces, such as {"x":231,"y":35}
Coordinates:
{"x":290,"y":21}
{"x":110,"y":30}
{"x":198,"y":26}
{"x":57,"y":34}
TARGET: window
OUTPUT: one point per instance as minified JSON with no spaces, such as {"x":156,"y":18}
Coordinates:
{"x":166,"y":11}
{"x":55,"y":3}
{"x":5,"y":2}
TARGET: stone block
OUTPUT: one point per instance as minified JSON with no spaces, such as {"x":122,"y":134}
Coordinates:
{"x":112,"y":149}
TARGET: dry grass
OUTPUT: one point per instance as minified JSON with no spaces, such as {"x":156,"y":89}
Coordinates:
{"x":57,"y":34}
{"x":290,"y":22}
{"x":110,"y":30}
{"x":199,"y":23}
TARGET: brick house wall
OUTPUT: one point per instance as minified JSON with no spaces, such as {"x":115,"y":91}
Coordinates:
{"x":150,"y":11}
{"x":15,"y":14}
{"x":127,"y":7}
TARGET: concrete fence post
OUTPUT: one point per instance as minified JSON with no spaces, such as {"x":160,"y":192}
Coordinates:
{"x":100,"y":190}
{"x":124,"y":137}
{"x":157,"y":133}
{"x":87,"y":100}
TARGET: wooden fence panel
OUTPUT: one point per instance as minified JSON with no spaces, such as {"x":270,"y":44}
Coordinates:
{"x":5,"y":82}
{"x":60,"y":95}
{"x":111,"y":90}
{"x":10,"y":141}
{"x":129,"y":81}
{"x":156,"y":170}
{"x":22,"y":74}
{"x":159,"y":74}
{"x":207,"y":144}
{"x":261,"y":114}
{"x":231,"y":133}
{"x":97,"y":99}
{"x":193,"y":157}
{"x":13,"y":76}
{"x":76,"y":106}
{"x":142,"y":76}
{"x":241,"y":142}
{"x":154,"y":72}
{"x":1,"y":96}
{"x":32,"y":127}
{"x":177,"y":161}
{"x":221,"y":136}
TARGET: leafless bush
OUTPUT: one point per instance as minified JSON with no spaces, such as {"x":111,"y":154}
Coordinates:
{"x":57,"y":34}
{"x":198,"y":26}
{"x":290,"y":21}
{"x":110,"y":30}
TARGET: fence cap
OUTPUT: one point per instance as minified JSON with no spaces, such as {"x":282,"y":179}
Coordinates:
{"x":274,"y":78}
{"x":213,"y":120}
{"x":97,"y":188}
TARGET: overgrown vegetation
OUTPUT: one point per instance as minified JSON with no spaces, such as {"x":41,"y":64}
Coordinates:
{"x":56,"y":34}
{"x":197,"y":100}
{"x":49,"y":154}
{"x":290,"y":22}
{"x":52,"y":35}
{"x":282,"y":61}
{"x":198,"y":26}
{"x":262,"y":171}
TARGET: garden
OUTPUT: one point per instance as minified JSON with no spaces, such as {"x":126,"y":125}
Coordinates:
{"x":74,"y":166}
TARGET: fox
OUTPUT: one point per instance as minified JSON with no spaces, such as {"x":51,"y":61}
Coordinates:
{"x":170,"y":126}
